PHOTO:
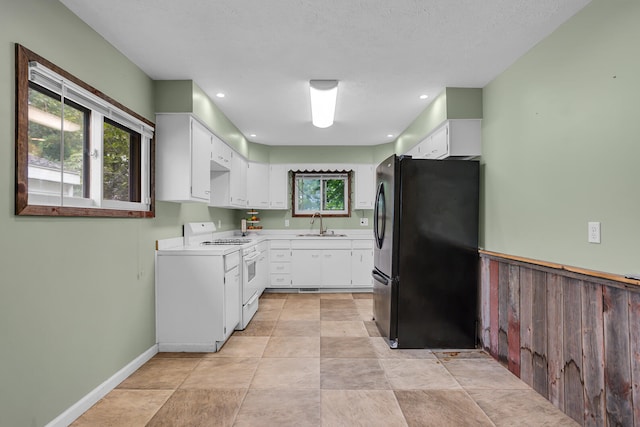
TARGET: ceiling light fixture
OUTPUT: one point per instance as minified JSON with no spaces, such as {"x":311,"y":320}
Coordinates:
{"x":324,"y":94}
{"x":253,"y":135}
{"x":424,"y":96}
{"x":220,"y":95}
{"x":389,"y":135}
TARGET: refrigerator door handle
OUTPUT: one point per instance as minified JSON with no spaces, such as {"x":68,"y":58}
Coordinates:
{"x":380,"y":278}
{"x":379,"y":226}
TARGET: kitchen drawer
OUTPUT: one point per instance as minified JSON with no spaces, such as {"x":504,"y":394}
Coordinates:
{"x":280,"y":267}
{"x":363,"y":244}
{"x":323,"y":243}
{"x":280,"y":280}
{"x":279,"y":244}
{"x":280,"y":255}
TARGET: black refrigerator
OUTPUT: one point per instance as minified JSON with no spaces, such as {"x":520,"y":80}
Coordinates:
{"x":426,"y":252}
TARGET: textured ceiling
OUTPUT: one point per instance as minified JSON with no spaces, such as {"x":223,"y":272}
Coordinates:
{"x":385,"y":54}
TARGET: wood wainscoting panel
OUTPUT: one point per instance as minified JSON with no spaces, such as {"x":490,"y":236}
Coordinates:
{"x":573,"y":337}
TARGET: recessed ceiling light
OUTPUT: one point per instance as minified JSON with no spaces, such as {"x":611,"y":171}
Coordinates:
{"x":423,"y":96}
{"x":220,"y":95}
{"x":389,"y":136}
{"x":253,"y":135}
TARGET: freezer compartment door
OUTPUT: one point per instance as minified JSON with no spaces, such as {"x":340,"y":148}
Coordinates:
{"x":384,"y":311}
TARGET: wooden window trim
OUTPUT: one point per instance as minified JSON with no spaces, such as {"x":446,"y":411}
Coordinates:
{"x":22,"y":206}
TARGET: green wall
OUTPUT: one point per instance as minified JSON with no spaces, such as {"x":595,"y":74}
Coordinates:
{"x":76,"y":294}
{"x":561,"y":143}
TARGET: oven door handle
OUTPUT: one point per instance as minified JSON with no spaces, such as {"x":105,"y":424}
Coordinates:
{"x":252,"y":257}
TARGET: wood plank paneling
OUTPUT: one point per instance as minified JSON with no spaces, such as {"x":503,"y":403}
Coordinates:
{"x":634,"y":339}
{"x":593,"y":354}
{"x":485,"y":300}
{"x":526,"y":325}
{"x":494,"y":306}
{"x":513,"y":318}
{"x":617,"y":363}
{"x":539,"y":332}
{"x":503,"y":313}
{"x":555,"y":360}
{"x":578,"y":338}
{"x":572,"y":348}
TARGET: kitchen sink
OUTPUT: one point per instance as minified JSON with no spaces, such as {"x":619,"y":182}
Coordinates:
{"x":321,"y":235}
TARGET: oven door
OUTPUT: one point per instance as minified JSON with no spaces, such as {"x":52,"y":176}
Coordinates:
{"x":250,"y":278}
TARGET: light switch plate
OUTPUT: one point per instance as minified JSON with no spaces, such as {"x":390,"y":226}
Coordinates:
{"x":594,"y":232}
{"x":286,"y":222}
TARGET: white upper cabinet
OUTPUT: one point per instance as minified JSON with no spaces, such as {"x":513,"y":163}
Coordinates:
{"x":454,"y":138}
{"x":278,"y":186}
{"x":229,"y":187}
{"x":183,"y":155}
{"x":238,"y":176}
{"x":365,"y":177}
{"x":221,"y":157}
{"x":258,"y":185}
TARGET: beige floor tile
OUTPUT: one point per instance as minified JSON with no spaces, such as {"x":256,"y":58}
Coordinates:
{"x":287,"y":373}
{"x":130,"y":408}
{"x":383,"y":351}
{"x":271,"y":304}
{"x":358,"y":347}
{"x":332,"y":328}
{"x":257,"y":328}
{"x":304,"y":295}
{"x":362,"y":295}
{"x":241,"y":346}
{"x":297,"y":328}
{"x":280,"y":408}
{"x":160,"y":373}
{"x":297,"y":313}
{"x":199,"y":408}
{"x":335,"y":295}
{"x":519,"y":407}
{"x":288,"y":346}
{"x":305,"y":303}
{"x":273,"y":295}
{"x":418,"y":374}
{"x":372,"y":328}
{"x":370,"y":408}
{"x":352,"y":374}
{"x":366,"y":314}
{"x":334,"y":304}
{"x":441,"y":408}
{"x":482,"y":374}
{"x":268,"y":314}
{"x":364,"y":304}
{"x":347,"y":314}
{"x":222,"y":373}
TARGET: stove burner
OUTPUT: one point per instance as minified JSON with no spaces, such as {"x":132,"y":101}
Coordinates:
{"x":226,"y":242}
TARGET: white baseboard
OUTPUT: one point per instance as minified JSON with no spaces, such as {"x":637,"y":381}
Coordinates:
{"x":81,"y":406}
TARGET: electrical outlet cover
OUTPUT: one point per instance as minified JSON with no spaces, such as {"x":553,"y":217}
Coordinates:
{"x":594,"y":232}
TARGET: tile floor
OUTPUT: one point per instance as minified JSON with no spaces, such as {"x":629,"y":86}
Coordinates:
{"x":318,"y":360}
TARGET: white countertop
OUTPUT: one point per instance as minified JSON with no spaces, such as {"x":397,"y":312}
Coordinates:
{"x":175,"y":246}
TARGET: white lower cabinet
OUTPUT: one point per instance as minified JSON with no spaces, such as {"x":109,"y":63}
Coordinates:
{"x":306,"y":268}
{"x":197,"y":301}
{"x":280,"y":264}
{"x":336,"y":268}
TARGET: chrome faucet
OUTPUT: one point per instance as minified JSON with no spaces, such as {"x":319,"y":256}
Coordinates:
{"x":313,"y":218}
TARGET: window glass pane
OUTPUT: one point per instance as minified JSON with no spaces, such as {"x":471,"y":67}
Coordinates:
{"x":53,"y":172}
{"x":334,"y":195}
{"x":309,"y":196}
{"x":121,"y":148}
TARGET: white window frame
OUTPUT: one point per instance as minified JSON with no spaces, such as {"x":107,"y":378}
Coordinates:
{"x":99,"y":110}
{"x":322,"y":176}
